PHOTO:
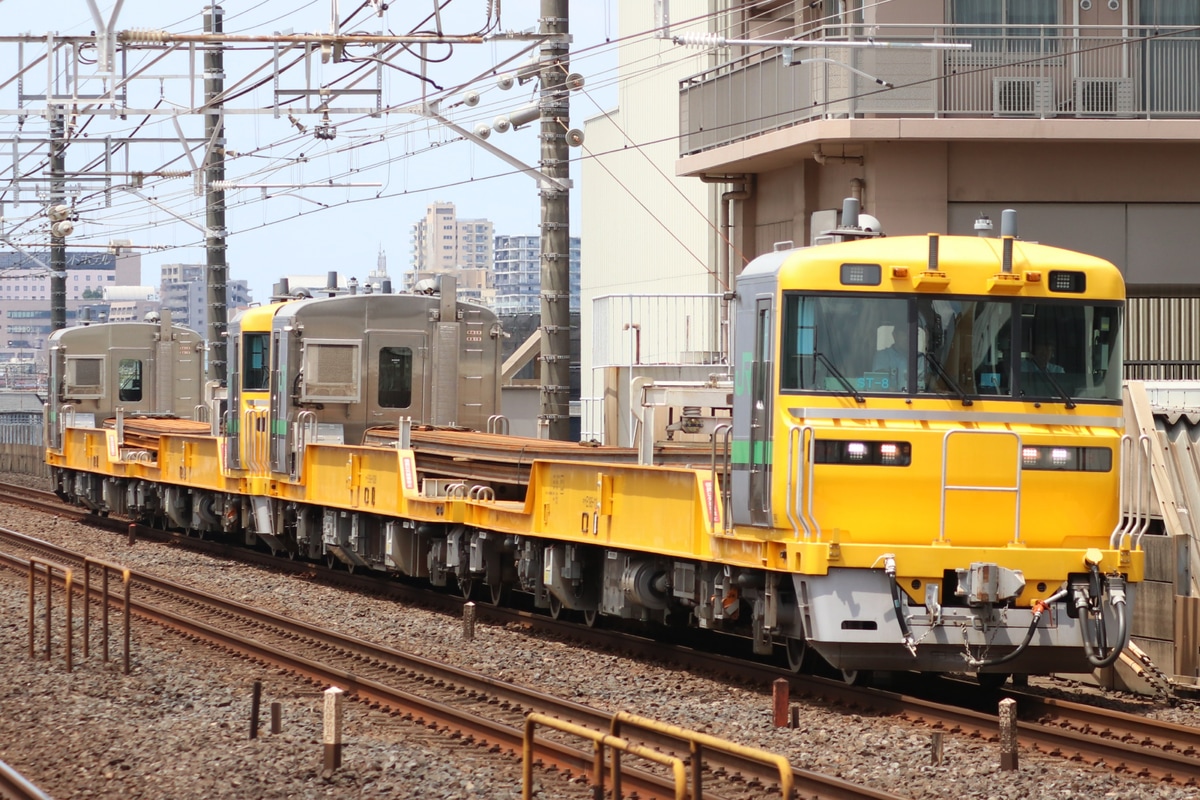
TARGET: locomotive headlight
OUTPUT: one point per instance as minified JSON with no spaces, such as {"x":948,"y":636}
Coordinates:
{"x":885,"y":454}
{"x":1066,"y":459}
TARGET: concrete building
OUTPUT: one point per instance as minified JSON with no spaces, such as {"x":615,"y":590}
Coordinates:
{"x":184,"y":292}
{"x":1084,"y":117}
{"x":131,"y":303}
{"x":441,"y":242}
{"x":517,"y":274}
{"x":25,"y":295}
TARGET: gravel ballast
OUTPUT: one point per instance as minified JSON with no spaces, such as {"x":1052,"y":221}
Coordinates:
{"x":178,"y":726}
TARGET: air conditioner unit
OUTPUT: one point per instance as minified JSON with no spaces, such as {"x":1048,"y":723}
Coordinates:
{"x":1022,"y":97}
{"x":1103,"y":97}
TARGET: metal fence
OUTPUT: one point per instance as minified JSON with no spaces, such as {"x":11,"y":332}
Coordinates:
{"x":1030,"y":71}
{"x":21,"y":448}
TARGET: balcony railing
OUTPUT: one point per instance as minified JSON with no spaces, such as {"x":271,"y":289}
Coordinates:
{"x":1028,"y":71}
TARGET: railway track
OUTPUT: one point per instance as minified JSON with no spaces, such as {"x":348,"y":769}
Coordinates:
{"x":479,"y":709}
{"x":1074,"y":731}
{"x":14,"y":786}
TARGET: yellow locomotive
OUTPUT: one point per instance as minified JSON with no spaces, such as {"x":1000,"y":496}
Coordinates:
{"x":921,"y":469}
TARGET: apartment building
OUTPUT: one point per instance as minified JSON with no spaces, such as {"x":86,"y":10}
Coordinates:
{"x":441,"y":242}
{"x":1084,"y":117}
{"x":184,"y":292}
{"x":517,"y":274}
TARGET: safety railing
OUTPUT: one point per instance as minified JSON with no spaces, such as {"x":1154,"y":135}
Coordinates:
{"x":498,"y":423}
{"x":600,"y":741}
{"x":1027,"y":71}
{"x":1015,"y":489}
{"x":1135,"y":495}
{"x":49,"y":571}
{"x":698,"y":743}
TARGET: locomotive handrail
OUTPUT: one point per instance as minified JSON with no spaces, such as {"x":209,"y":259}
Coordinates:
{"x":305,"y":421}
{"x":255,"y":441}
{"x":65,"y":411}
{"x":498,"y":423}
{"x":723,"y":431}
{"x":791,"y":508}
{"x":119,"y":414}
{"x":231,"y":454}
{"x":1015,"y":488}
{"x":1135,"y":495}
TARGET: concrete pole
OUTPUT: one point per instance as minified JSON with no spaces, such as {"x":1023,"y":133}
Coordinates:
{"x":554,"y":418}
{"x":214,"y":169}
{"x":58,"y":245}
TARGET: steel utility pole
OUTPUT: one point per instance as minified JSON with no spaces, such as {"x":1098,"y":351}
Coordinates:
{"x":555,"y":413}
{"x":214,"y":171}
{"x":58,"y":245}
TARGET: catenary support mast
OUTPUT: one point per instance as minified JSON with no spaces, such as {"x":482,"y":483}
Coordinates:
{"x":214,"y":170}
{"x":555,"y":414}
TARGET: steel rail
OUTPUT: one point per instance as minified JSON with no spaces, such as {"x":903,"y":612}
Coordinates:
{"x":428,"y":712}
{"x":1161,"y":750}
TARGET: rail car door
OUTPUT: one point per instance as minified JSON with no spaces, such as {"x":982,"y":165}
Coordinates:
{"x":762,"y":389}
{"x":398,"y":383}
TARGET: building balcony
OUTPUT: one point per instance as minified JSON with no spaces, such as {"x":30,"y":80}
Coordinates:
{"x":1031,"y":83}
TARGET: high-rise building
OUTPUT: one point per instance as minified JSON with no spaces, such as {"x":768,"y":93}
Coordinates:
{"x":184,"y":292}
{"x":517,"y":274}
{"x":442,"y":243}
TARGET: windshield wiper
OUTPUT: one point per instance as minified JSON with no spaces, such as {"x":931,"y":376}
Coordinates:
{"x":940,"y":370}
{"x":1067,"y":401}
{"x":841,"y":378}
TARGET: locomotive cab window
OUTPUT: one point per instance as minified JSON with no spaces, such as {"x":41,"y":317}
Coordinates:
{"x":395,"y":377}
{"x":1070,"y":350}
{"x":129,"y":376}
{"x":846,"y":344}
{"x":256,"y":365}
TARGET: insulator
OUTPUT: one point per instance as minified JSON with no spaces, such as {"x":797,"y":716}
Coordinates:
{"x":143,"y":36}
{"x":700,"y":40}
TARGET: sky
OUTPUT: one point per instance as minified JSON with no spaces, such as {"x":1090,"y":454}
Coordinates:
{"x":409,"y":160}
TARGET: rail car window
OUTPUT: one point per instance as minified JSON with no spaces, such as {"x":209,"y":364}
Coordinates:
{"x":395,"y":377}
{"x":1070,"y":350}
{"x":256,"y":364}
{"x":129,"y":377}
{"x":330,"y":371}
{"x":85,"y":377}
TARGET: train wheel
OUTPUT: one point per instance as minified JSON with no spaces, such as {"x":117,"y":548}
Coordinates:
{"x":331,"y":560}
{"x":797,"y":653}
{"x":590,"y":618}
{"x":498,"y":593}
{"x":856,"y":677}
{"x":992,"y":680}
{"x":555,"y":607}
{"x":465,"y":587}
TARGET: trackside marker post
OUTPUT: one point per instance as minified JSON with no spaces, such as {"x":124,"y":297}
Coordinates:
{"x":334,"y":698}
